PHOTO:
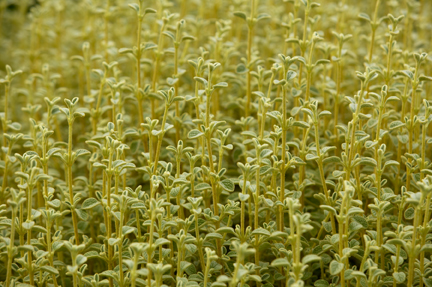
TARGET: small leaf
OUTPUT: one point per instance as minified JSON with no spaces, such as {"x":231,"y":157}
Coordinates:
{"x":395,"y":125}
{"x":336,"y":267}
{"x":89,"y":203}
{"x":399,"y":277}
{"x":364,"y":16}
{"x":263,"y":16}
{"x":332,"y":159}
{"x":409,"y":213}
{"x":241,"y":15}
{"x":321,"y":283}
{"x":221,"y":85}
{"x":261,"y":231}
{"x":213,"y":236}
{"x":82,"y":214}
{"x":425,"y":78}
{"x":310,"y":258}
{"x":243,"y":197}
{"x":280,"y":262}
{"x":368,"y":161}
{"x":50,"y":269}
{"x":241,"y":69}
{"x":202,"y":186}
{"x":81,"y":259}
{"x":135,"y":7}
{"x":301,"y":124}
{"x":227,"y":185}
{"x":201,"y":80}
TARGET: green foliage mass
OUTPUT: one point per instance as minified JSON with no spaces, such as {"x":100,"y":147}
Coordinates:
{"x":215,"y":143}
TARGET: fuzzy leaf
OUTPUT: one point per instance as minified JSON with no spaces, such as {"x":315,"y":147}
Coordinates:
{"x":89,"y":203}
{"x":336,"y":267}
{"x":227,"y":185}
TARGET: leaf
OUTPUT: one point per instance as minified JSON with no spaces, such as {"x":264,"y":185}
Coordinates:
{"x":332,"y":159}
{"x":280,"y":262}
{"x":28,"y":225}
{"x":193,"y":134}
{"x":322,"y":62}
{"x":395,"y":125}
{"x":190,"y":269}
{"x":202,"y":186}
{"x":409,"y":213}
{"x":113,"y":241}
{"x":201,"y":80}
{"x":80,"y":259}
{"x":261,"y":231}
{"x":225,"y":229}
{"x":368,"y":161}
{"x":241,"y":69}
{"x":15,"y":126}
{"x":301,"y":124}
{"x":263,"y":16}
{"x":82,"y":214}
{"x":221,"y":85}
{"x":355,"y":210}
{"x":127,"y":229}
{"x":265,"y":153}
{"x":172,"y":81}
{"x":364,"y":16}
{"x":310,"y":258}
{"x":321,"y":283}
{"x":213,"y":236}
{"x":243,"y":197}
{"x":227,"y":185}
{"x":169,"y":35}
{"x":425,"y":79}
{"x":390,"y":163}
{"x":150,"y":11}
{"x":187,"y":38}
{"x":135,"y":7}
{"x":26,"y":248}
{"x":399,"y":277}
{"x":50,"y":269}
{"x":310,"y":156}
{"x":336,"y":267}
{"x":426,"y":248}
{"x":161,"y":241}
{"x":407,"y":74}
{"x":89,"y":203}
{"x":240,"y":15}
{"x":291,"y":75}
{"x":184,"y":265}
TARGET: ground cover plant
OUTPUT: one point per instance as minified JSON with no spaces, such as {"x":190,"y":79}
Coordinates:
{"x":215,"y":143}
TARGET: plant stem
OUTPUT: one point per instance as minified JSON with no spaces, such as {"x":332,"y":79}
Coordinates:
{"x":249,"y":59}
{"x":373,"y":31}
{"x":411,"y":126}
{"x":322,"y":176}
{"x":411,"y":256}
{"x":156,"y":69}
{"x":69,"y":181}
{"x":283,"y":155}
{"x":10,"y":249}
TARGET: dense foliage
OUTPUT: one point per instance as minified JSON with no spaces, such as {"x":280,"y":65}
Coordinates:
{"x":215,"y":143}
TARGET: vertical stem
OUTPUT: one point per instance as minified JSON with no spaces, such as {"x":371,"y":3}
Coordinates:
{"x":373,"y":31}
{"x":411,"y":257}
{"x":283,"y":169}
{"x":69,"y":181}
{"x":411,"y":127}
{"x":29,"y":217}
{"x":249,"y":58}
{"x":156,"y":70}
{"x":10,"y":249}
